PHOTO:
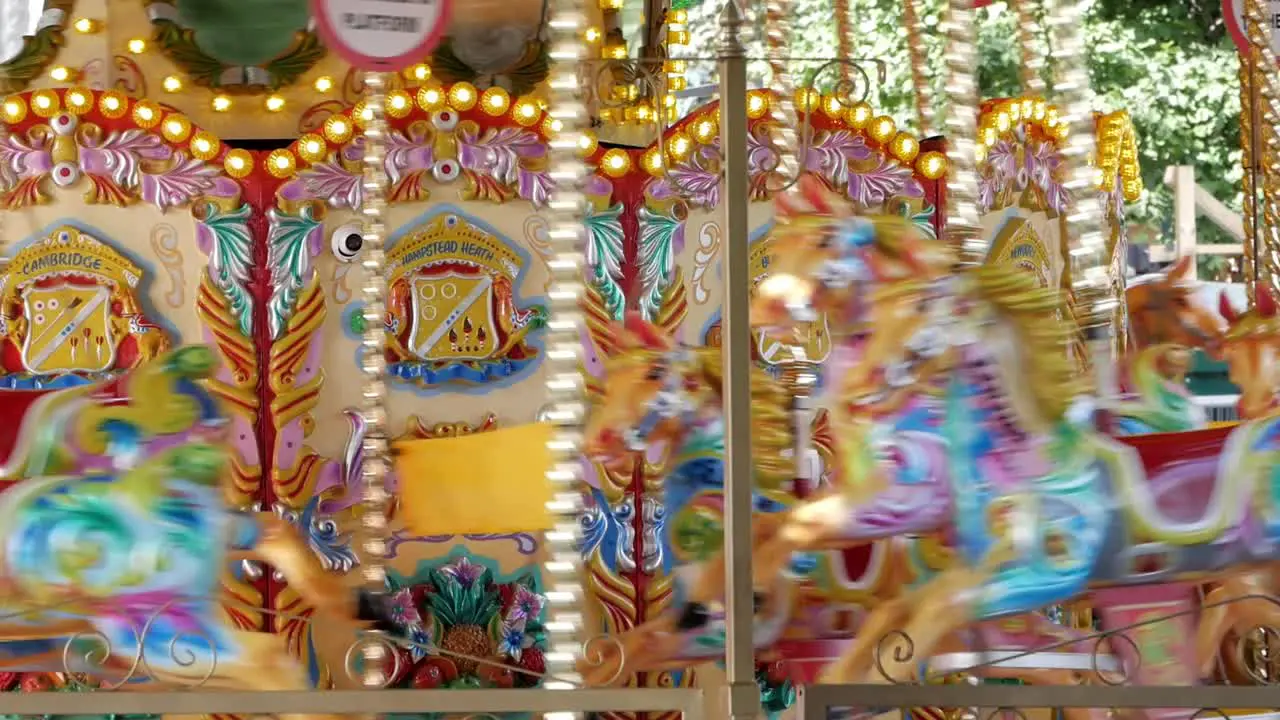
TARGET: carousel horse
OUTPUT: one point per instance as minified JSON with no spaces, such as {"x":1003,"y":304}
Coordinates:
{"x":1251,"y":349}
{"x":116,"y":537}
{"x":657,"y":394}
{"x":1043,"y":507}
{"x":1167,"y":323}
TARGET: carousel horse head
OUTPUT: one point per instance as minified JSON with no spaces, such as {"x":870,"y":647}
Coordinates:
{"x":1250,"y":349}
{"x":655,"y":391}
{"x":826,"y":258}
{"x":1163,"y":309}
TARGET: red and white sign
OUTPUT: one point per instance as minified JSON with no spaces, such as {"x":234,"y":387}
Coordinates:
{"x":382,"y":35}
{"x":1233,"y":14}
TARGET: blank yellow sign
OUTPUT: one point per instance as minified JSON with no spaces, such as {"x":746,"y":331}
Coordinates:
{"x":488,"y":482}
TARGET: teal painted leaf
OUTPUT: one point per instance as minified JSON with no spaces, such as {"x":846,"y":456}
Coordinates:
{"x":292,"y":242}
{"x":230,"y":256}
{"x":604,"y":256}
{"x":659,"y":235}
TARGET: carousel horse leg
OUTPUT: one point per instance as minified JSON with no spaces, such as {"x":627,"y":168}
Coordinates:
{"x":884,"y":620}
{"x":279,"y":544}
{"x":1240,"y":602}
{"x":936,"y":611}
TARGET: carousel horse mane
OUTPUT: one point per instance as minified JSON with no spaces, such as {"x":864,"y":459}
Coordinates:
{"x":1037,"y":313}
{"x":771,"y":433}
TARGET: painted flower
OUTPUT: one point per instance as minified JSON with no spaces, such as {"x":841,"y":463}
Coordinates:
{"x":403,"y":609}
{"x":525,"y":604}
{"x":512,"y":639}
{"x":463,"y":571}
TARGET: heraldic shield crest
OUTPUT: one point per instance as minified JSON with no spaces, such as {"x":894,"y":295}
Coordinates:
{"x":453,"y":311}
{"x":70,"y":308}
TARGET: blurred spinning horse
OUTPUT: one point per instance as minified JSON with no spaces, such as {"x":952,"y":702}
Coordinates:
{"x":663,"y":399}
{"x":116,"y":536}
{"x":1042,"y":506}
{"x":657,"y":394}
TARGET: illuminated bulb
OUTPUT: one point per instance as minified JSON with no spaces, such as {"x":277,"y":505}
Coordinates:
{"x":172,"y":84}
{"x":704,"y":131}
{"x":337,"y":129}
{"x":399,"y":104}
{"x":616,"y":163}
{"x":989,"y":136}
{"x":144,"y":114}
{"x":883,"y":129}
{"x":832,"y":106}
{"x":14,"y":110}
{"x":275,"y":103}
{"x":614,"y":52}
{"x":239,"y":163}
{"x":1003,"y":121}
{"x":495,"y":100}
{"x":860,"y":115}
{"x":807,"y":99}
{"x":202,"y":145}
{"x":1015,"y":111}
{"x":221,"y":103}
{"x":79,"y":100}
{"x":905,"y":147}
{"x":462,"y":96}
{"x":526,"y":112}
{"x":653,"y":162}
{"x":592,"y":35}
{"x":429,"y":98}
{"x":176,"y":128}
{"x":60,"y":73}
{"x":420,"y":72}
{"x":678,"y":17}
{"x":757,"y":104}
{"x":679,"y":146}
{"x":586,"y":143}
{"x":933,"y":165}
{"x":111,"y":103}
{"x":323,"y":84}
{"x":137,"y":46}
{"x":42,"y":102}
{"x":86,"y":26}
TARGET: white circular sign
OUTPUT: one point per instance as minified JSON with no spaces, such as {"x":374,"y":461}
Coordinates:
{"x":382,"y":35}
{"x":1233,"y":14}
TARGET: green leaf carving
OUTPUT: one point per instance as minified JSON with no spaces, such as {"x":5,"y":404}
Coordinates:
{"x":657,"y":257}
{"x":37,"y":52}
{"x":604,"y":256}
{"x":230,"y":256}
{"x":289,"y":244}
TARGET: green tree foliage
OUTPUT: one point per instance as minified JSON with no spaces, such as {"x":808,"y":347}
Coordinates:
{"x":1168,"y":62}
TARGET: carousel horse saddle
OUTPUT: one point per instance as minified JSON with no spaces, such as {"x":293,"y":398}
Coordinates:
{"x":1181,"y":497}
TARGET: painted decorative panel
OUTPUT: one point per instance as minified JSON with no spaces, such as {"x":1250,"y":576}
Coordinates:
{"x":466,"y":261}
{"x":132,"y":235}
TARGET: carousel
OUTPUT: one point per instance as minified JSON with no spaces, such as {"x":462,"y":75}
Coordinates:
{"x":325,"y":381}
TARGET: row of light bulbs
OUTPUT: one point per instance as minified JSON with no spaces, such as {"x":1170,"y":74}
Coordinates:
{"x":220,"y":102}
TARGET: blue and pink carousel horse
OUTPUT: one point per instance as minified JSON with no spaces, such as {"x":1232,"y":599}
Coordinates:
{"x":115,"y":536}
